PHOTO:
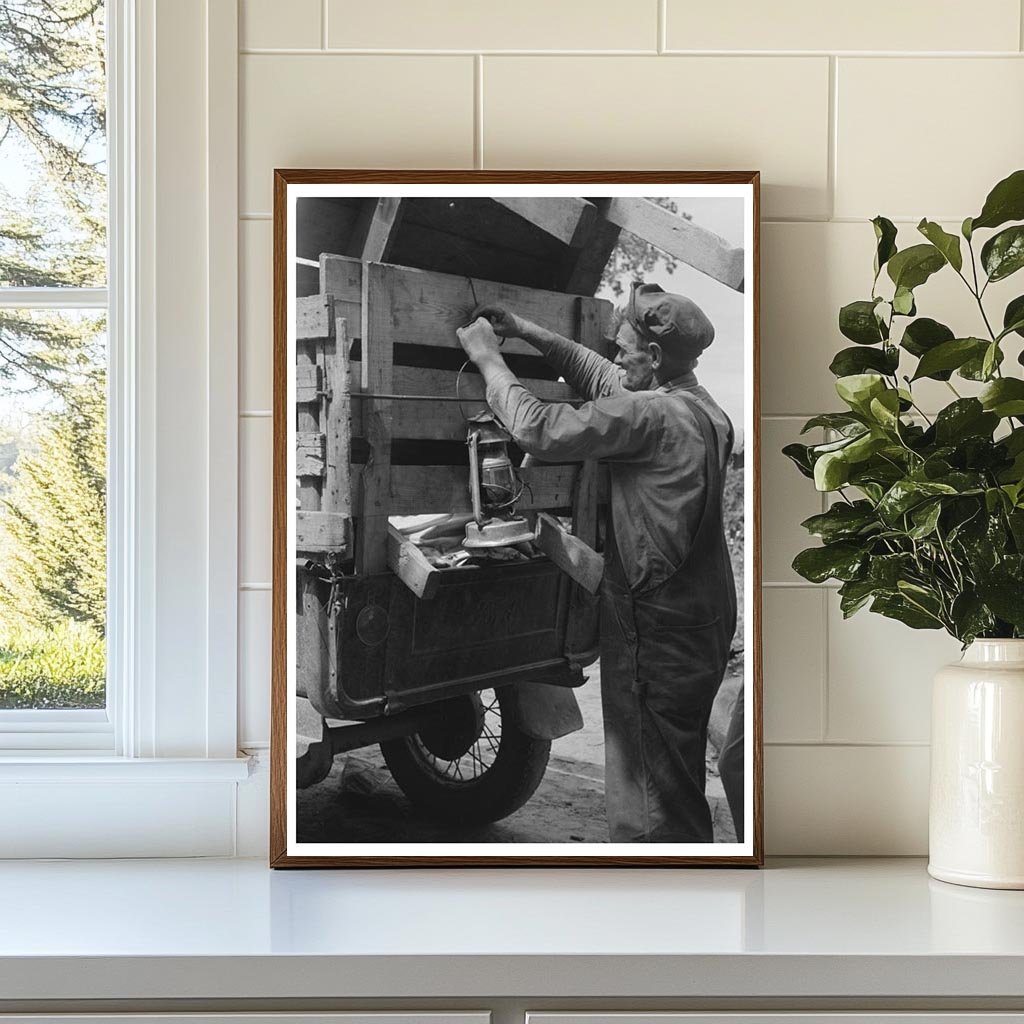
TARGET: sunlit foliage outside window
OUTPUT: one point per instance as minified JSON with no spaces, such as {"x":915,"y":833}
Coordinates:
{"x":53,"y":214}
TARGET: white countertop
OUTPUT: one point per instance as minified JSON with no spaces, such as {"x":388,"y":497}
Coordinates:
{"x":235,"y":929}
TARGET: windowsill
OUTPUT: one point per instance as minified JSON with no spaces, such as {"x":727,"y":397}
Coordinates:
{"x":235,"y":930}
{"x":80,"y":766}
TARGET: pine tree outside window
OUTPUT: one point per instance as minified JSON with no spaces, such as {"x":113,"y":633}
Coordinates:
{"x":53,"y":370}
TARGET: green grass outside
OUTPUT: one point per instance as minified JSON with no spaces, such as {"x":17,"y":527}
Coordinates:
{"x":60,"y":667}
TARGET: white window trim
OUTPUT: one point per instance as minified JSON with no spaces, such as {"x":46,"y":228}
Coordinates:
{"x":172,"y":500}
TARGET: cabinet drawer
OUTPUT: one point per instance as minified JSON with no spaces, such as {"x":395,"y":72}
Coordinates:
{"x":790,"y":1017}
{"x":355,"y":1017}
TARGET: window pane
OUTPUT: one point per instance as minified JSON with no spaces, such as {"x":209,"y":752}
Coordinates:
{"x":53,"y":148}
{"x":52,"y":509}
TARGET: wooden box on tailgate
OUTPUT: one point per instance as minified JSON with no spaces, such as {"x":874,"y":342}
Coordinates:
{"x":381,"y":422}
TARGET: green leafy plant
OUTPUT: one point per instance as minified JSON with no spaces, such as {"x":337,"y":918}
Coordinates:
{"x":927,"y":525}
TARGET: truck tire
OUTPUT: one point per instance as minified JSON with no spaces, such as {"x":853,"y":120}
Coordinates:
{"x":478,"y":768}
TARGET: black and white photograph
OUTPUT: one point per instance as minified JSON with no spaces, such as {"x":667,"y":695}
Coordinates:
{"x":514,"y":542}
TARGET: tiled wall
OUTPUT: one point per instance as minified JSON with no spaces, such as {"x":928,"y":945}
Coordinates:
{"x":848,"y":110}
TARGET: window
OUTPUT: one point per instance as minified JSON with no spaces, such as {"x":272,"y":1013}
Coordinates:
{"x":53,"y":370}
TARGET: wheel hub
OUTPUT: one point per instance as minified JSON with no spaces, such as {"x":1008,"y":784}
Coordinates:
{"x":459,"y":726}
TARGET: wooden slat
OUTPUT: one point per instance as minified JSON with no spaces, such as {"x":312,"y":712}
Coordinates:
{"x":336,"y":417}
{"x":427,"y":307}
{"x":375,"y":491}
{"x":341,"y":277}
{"x":322,"y":532}
{"x":309,"y":458}
{"x":441,"y":420}
{"x":428,"y":248}
{"x":307,"y":383}
{"x":417,"y":490}
{"x":567,"y":218}
{"x":583,"y":267}
{"x":312,"y":318}
{"x":694,"y":245}
{"x":379,"y":220}
{"x":579,"y":561}
{"x":410,"y":565}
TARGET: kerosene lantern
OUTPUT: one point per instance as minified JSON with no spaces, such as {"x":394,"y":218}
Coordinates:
{"x":494,"y":487}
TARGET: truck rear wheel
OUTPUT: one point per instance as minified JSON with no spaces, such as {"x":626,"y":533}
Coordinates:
{"x":478,"y":766}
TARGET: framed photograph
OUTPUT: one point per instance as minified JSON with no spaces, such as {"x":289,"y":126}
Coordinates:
{"x":516,"y":614}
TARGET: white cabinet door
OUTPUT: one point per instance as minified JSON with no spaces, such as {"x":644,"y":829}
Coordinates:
{"x":790,"y":1017}
{"x":360,"y":1017}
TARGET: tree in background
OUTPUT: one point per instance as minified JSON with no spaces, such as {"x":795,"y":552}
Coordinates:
{"x":52,"y":381}
{"x":52,"y":543}
{"x":53,"y":228}
{"x":634,"y":258}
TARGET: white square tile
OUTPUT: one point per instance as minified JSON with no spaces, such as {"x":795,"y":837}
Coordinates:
{"x":255,"y":509}
{"x":787,"y":499}
{"x":846,"y":801}
{"x":880,"y":676}
{"x":255,"y":319}
{"x":692,"y":113}
{"x":350,"y":111}
{"x":495,"y":25}
{"x":962,"y":131}
{"x":272,"y":24}
{"x":794,"y":663}
{"x":869,"y":25}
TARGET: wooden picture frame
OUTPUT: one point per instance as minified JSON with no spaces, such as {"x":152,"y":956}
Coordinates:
{"x":373,"y":271}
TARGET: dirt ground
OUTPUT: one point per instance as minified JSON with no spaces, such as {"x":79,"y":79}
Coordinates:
{"x":359,"y":801}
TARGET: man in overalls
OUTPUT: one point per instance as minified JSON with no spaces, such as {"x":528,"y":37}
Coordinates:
{"x":668,"y":600}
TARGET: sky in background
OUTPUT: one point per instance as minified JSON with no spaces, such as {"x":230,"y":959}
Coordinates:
{"x":720,"y":369}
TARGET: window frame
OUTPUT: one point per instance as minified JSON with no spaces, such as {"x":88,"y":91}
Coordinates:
{"x":170,"y":746}
{"x":56,"y":731}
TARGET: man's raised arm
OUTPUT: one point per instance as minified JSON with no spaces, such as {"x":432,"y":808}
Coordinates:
{"x":587,"y":372}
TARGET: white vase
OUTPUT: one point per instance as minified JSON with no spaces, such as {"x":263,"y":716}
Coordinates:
{"x":976,"y":816}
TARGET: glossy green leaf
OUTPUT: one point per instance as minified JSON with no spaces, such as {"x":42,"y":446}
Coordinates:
{"x":831,"y":471}
{"x":1004,"y":397}
{"x":964,"y":418}
{"x":841,"y":421}
{"x":899,"y":607}
{"x":885,"y":409}
{"x":858,"y":389}
{"x":1005,"y":596}
{"x":925,"y":518}
{"x":1003,"y":254}
{"x":949,"y":356}
{"x":840,"y":561}
{"x":923,"y":335}
{"x":974,"y":368}
{"x":990,"y":360}
{"x":911,"y":267}
{"x":854,"y":594}
{"x":885,"y":238}
{"x":857,"y":321}
{"x":971,"y":617}
{"x":947,"y":244}
{"x":1005,"y":202}
{"x":799,"y":455}
{"x":1013,"y":316}
{"x":885,"y":571}
{"x":965,"y":229}
{"x":903,"y":302}
{"x":843,"y":521}
{"x":904,"y":495}
{"x":849,"y":361}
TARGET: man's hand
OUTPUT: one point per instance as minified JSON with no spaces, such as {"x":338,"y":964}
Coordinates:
{"x":480,"y":342}
{"x":504,"y":323}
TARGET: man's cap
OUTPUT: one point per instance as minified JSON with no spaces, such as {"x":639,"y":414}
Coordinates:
{"x":675,"y":322}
